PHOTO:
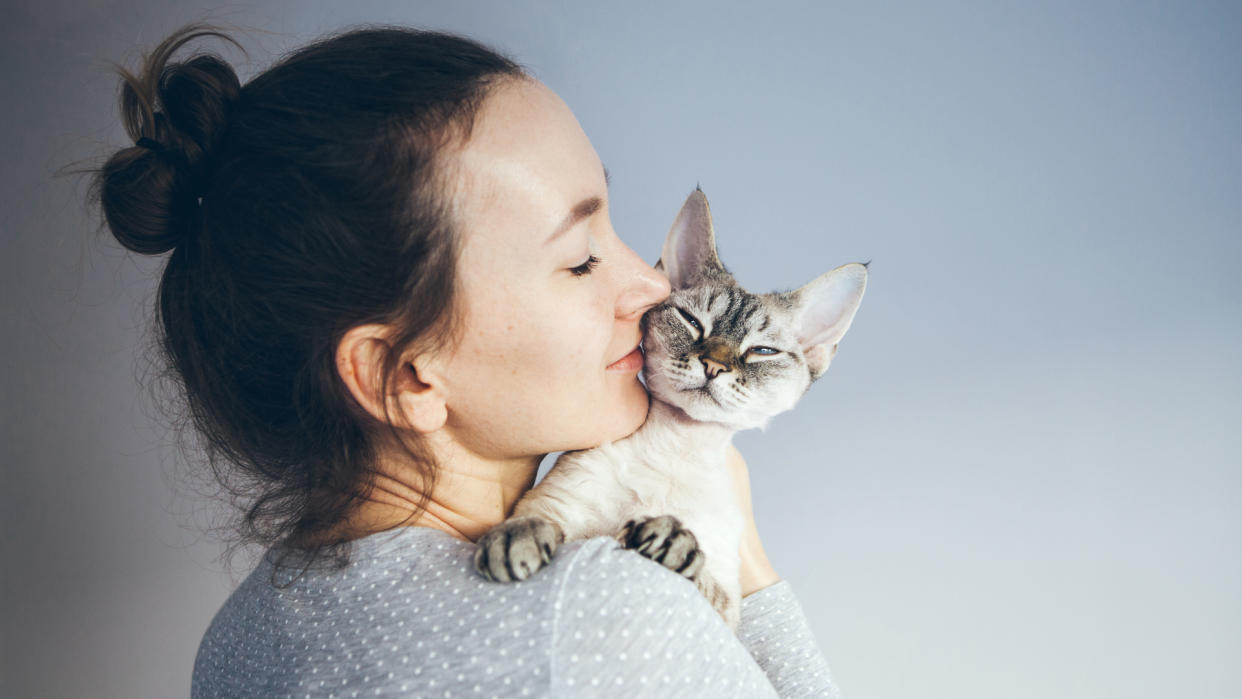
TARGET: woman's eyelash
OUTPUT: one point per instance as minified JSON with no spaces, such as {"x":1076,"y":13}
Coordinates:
{"x":586,"y":267}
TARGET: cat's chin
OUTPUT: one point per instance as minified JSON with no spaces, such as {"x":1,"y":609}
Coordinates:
{"x":707,"y":409}
{"x":700,"y":405}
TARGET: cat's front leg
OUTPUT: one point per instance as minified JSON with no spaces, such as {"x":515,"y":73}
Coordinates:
{"x":542,"y":520}
{"x":575,"y":500}
{"x":517,"y":547}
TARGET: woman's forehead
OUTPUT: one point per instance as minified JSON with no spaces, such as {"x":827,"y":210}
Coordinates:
{"x":527,"y":160}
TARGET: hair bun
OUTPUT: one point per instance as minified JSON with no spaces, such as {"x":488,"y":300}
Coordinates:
{"x":150,"y":195}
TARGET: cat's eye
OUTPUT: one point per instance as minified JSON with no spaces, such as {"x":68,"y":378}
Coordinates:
{"x":691,"y":320}
{"x":585,"y":267}
{"x":763,"y":350}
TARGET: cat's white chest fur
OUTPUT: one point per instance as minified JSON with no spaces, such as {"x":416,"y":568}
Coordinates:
{"x":670,"y":465}
{"x":655,"y":471}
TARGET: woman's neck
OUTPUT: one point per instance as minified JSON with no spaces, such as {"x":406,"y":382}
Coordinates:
{"x":469,"y":497}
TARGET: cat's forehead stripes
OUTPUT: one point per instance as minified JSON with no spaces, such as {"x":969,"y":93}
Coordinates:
{"x":738,"y":314}
{"x":730,"y":311}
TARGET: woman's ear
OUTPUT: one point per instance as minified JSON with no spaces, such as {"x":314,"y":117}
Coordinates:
{"x":415,"y":396}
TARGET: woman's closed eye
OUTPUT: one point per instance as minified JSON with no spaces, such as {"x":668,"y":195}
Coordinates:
{"x":586,"y":267}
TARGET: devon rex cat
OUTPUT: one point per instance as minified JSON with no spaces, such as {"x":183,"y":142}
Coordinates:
{"x":719,"y":359}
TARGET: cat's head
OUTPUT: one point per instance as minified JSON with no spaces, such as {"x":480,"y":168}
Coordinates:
{"x":723,"y":354}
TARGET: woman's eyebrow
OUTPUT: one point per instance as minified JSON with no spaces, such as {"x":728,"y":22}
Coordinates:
{"x":581,"y":210}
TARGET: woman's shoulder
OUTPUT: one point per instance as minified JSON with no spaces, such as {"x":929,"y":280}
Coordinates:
{"x":591,"y":567}
{"x":424,"y":579}
{"x":625,"y":626}
{"x":600,"y":573}
{"x":412,"y":604}
{"x":403,"y":570}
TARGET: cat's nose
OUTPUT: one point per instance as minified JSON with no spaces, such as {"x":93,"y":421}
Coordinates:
{"x":712,"y":367}
{"x":717,"y":356}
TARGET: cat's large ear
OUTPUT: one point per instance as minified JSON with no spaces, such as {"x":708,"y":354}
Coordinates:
{"x":826,"y":307}
{"x":689,"y":252}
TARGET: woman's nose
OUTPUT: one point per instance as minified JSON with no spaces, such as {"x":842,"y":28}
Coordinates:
{"x":642,"y":287}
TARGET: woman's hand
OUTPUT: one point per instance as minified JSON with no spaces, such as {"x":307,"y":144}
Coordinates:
{"x":756,"y":571}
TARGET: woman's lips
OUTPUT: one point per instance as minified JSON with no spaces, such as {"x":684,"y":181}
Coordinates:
{"x":630,"y":362}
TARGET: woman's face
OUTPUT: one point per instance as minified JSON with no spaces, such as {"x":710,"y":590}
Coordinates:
{"x":543,"y":321}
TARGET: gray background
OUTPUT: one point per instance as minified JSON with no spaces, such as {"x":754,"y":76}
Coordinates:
{"x":1021,"y":477}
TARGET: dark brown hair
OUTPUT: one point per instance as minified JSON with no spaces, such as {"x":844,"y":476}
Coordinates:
{"x":297,"y":206}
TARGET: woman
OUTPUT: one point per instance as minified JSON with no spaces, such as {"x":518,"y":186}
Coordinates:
{"x":393,"y":289}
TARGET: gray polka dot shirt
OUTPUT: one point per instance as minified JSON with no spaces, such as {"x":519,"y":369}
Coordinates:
{"x":410,"y":617}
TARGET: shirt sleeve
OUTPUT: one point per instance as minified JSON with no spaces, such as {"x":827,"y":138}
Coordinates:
{"x":777,"y":634}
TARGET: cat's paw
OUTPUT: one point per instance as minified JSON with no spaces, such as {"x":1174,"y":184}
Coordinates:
{"x":514,"y":549}
{"x":663,"y":540}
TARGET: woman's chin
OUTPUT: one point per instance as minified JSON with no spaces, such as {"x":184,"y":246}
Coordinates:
{"x":632,"y":411}
{"x":630,"y":405}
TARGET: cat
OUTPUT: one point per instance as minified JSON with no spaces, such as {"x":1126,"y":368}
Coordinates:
{"x":718,"y":359}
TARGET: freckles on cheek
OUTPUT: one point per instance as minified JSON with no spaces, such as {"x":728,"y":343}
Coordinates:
{"x":515,"y":346}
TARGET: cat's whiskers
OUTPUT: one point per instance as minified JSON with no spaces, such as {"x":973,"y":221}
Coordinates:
{"x":724,"y":397}
{"x":678,"y":371}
